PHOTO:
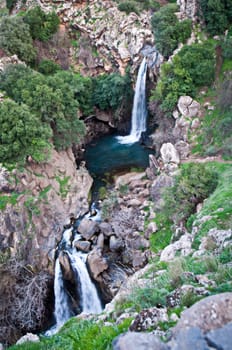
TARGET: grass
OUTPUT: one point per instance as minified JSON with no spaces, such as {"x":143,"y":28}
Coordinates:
{"x":162,"y":237}
{"x":78,"y":335}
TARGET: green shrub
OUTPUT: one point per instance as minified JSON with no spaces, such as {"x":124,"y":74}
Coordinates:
{"x":22,"y":134}
{"x":191,"y":68}
{"x":192,"y":186}
{"x":10,"y":4}
{"x":128,"y":6}
{"x":42,"y":25}
{"x":48,"y":67}
{"x":217,"y":15}
{"x":168,"y":31}
{"x":15,"y":38}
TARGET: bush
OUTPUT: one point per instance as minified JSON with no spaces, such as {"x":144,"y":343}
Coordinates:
{"x":192,"y":186}
{"x":191,"y":68}
{"x":42,"y":25}
{"x":217,"y":15}
{"x":22,"y":134}
{"x":15,"y":38}
{"x":48,"y":67}
{"x":168,"y":31}
{"x":128,"y":6}
{"x":111,"y":91}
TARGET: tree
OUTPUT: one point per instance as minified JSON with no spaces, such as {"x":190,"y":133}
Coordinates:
{"x":217,"y":15}
{"x":42,"y":25}
{"x":168,"y":31}
{"x":15,"y":38}
{"x":22,"y":134}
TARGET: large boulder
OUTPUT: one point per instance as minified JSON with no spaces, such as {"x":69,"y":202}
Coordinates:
{"x":169,"y":154}
{"x":138,"y":341}
{"x":158,"y":187}
{"x":188,"y":107}
{"x":208,"y":314}
{"x":96,"y":263}
{"x":88,"y":228}
{"x":183,"y":246}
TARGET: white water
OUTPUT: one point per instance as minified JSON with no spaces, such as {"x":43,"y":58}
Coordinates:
{"x":139,"y":112}
{"x":90,"y":303}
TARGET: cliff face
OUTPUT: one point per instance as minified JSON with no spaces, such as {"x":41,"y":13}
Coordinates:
{"x":38,"y":202}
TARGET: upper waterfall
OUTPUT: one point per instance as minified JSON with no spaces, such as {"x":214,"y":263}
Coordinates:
{"x":139,"y":112}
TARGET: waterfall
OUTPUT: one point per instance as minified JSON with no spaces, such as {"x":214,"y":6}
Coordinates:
{"x":62,"y":309}
{"x":89,"y":300}
{"x":90,"y":303}
{"x":139,"y":112}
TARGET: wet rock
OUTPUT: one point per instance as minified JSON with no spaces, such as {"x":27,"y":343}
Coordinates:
{"x":84,"y":246}
{"x":28,"y":337}
{"x":100,"y":241}
{"x":88,"y":228}
{"x":105,"y":228}
{"x":97,"y":263}
{"x":215,"y":311}
{"x":148,"y":318}
{"x":169,"y":153}
{"x":66,"y":267}
{"x":116,"y":244}
{"x":138,"y":341}
{"x":220,"y":338}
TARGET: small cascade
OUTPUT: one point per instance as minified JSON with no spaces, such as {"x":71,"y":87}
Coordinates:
{"x":89,"y":302}
{"x":62,"y":308}
{"x":139,"y":112}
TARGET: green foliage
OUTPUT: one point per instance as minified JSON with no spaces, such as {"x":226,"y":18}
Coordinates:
{"x":64,"y":185}
{"x":15,"y":38}
{"x":195,"y":183}
{"x":22,"y":134}
{"x":78,"y":335}
{"x":217,"y":15}
{"x":111,"y":90}
{"x":48,"y":67}
{"x":42,"y":25}
{"x":168,"y":31}
{"x":10,"y":4}
{"x":162,"y":237}
{"x":191,"y":68}
{"x":128,"y":6}
{"x":50,"y":98}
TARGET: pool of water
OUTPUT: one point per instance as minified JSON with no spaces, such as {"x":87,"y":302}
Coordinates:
{"x":107,"y":157}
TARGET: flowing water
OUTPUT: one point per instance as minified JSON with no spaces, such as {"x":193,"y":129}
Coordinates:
{"x":139,"y":112}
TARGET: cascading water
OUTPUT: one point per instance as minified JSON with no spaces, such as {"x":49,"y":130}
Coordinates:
{"x":139,"y":112}
{"x":89,"y":301}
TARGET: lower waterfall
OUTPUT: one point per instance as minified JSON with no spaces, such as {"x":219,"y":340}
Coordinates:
{"x":89,"y":302}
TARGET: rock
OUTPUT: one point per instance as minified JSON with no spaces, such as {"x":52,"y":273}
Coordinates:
{"x":28,"y":337}
{"x":1,"y":346}
{"x":105,"y":228}
{"x":88,"y":228}
{"x":148,"y":318}
{"x":162,"y":182}
{"x":183,"y":148}
{"x":221,"y":237}
{"x":134,"y":202}
{"x":138,"y":341}
{"x":188,"y":8}
{"x":188,"y":107}
{"x":220,"y":338}
{"x":189,"y":339}
{"x":116,"y":244}
{"x":66,"y":267}
{"x":84,"y":246}
{"x":97,"y":263}
{"x":169,"y":153}
{"x":183,"y":245}
{"x":151,"y":228}
{"x":100,"y":241}
{"x":215,"y":311}
{"x":126,"y":179}
{"x":195,"y":124}
{"x":180,"y":131}
{"x":139,"y":259}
